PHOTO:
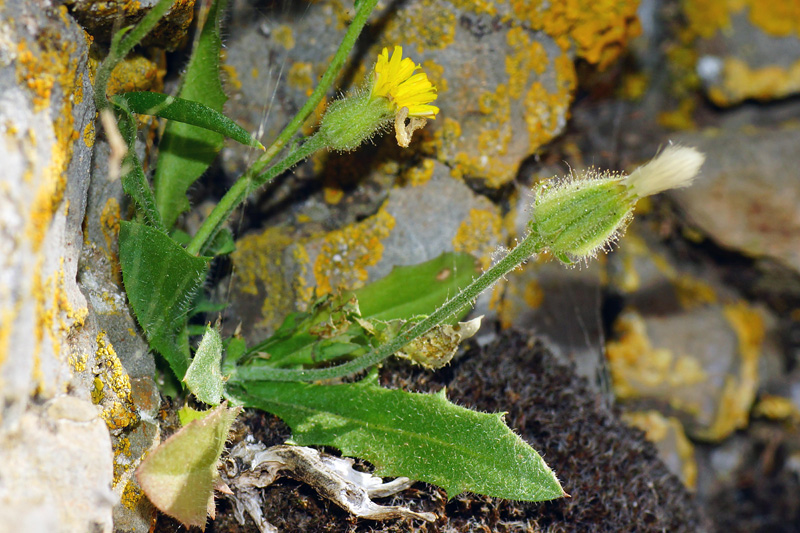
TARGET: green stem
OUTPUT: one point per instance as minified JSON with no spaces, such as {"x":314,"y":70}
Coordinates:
{"x":121,"y":44}
{"x":237,"y":194}
{"x":515,"y":257}
{"x":325,"y":83}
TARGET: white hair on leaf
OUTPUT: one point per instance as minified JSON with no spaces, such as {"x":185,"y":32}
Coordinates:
{"x":673,"y":168}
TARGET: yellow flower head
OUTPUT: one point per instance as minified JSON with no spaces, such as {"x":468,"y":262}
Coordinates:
{"x":395,"y":80}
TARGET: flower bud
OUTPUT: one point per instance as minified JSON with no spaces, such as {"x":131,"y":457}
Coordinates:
{"x":577,"y":218}
{"x":354,"y":119}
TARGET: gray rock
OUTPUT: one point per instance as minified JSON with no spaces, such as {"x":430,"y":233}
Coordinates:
{"x":746,"y":53}
{"x":747,"y":197}
{"x":504,"y":89}
{"x":57,"y":466}
{"x":277,"y":270}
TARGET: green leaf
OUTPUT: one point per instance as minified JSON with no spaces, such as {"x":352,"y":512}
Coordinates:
{"x":134,"y":182}
{"x":160,"y":279}
{"x":204,"y":378}
{"x":179,"y":475}
{"x":186,"y":111}
{"x":411,"y":291}
{"x":420,"y":436}
{"x":186,"y":151}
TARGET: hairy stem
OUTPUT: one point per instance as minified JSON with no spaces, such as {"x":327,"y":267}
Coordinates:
{"x":326,"y":81}
{"x":515,"y":257}
{"x":246,"y":184}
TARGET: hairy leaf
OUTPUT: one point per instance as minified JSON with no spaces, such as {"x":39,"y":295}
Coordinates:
{"x":179,"y":475}
{"x":420,"y":436}
{"x":204,"y":378}
{"x":186,"y":151}
{"x":186,"y":111}
{"x":160,"y":279}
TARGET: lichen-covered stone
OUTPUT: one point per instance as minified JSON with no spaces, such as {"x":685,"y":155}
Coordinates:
{"x":279,"y":270}
{"x":748,"y":198}
{"x":746,"y":49}
{"x":504,"y":70}
{"x":101,"y":18}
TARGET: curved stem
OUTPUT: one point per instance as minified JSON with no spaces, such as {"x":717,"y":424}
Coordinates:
{"x":249,"y":181}
{"x":515,"y":257}
{"x":324,"y":85}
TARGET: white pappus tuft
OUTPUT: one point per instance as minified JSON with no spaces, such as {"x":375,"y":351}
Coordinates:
{"x":673,"y":168}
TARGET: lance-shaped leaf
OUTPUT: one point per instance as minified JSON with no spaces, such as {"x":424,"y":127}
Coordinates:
{"x":420,"y":436}
{"x":160,"y":279}
{"x":179,"y":475}
{"x":186,"y":151}
{"x":186,"y":111}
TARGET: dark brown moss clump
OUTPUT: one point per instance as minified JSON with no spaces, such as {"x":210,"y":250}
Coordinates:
{"x":616,"y":481}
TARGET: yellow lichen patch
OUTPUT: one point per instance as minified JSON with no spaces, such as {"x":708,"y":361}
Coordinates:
{"x":300,"y":75}
{"x":118,"y":408}
{"x":660,"y":430}
{"x":420,"y":174}
{"x":231,"y":77}
{"x":479,"y":7}
{"x":89,"y":134}
{"x":525,"y":56}
{"x":739,"y":391}
{"x":478,"y":235}
{"x":109,"y":221}
{"x":740,"y":82}
{"x":706,"y":17}
{"x":425,"y":24}
{"x":259,"y":271}
{"x":779,"y":18}
{"x":346,"y":253}
{"x":131,"y":495}
{"x":284,"y":36}
{"x":435,"y":73}
{"x":776,"y":408}
{"x":599,"y":29}
{"x":136,"y":73}
{"x":637,"y":366}
{"x":78,"y":362}
{"x":496,"y":105}
{"x":533,"y":294}
{"x":693,"y":292}
{"x":332,"y":195}
{"x":545,"y":114}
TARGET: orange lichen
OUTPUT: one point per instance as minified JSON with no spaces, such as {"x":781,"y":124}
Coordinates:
{"x":118,"y":409}
{"x":637,"y":365}
{"x":740,"y":82}
{"x":230,"y":77}
{"x":660,"y":430}
{"x":346,"y":253}
{"x":135,"y":73}
{"x":525,"y":56}
{"x":478,"y":235}
{"x":776,"y":408}
{"x":420,"y":174}
{"x":779,"y":18}
{"x":599,"y":30}
{"x":533,"y":294}
{"x":284,"y":36}
{"x":425,"y":24}
{"x":738,"y":393}
{"x":131,"y":495}
{"x":301,"y":75}
{"x":435,"y":73}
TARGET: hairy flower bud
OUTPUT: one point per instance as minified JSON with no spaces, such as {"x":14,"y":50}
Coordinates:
{"x":393,"y":94}
{"x":576,"y":218}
